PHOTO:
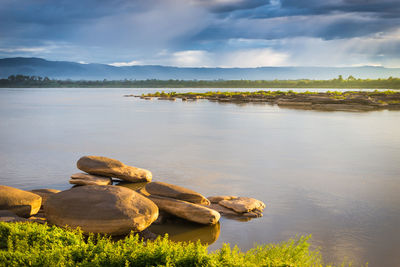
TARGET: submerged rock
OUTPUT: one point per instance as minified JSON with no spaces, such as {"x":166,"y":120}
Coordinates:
{"x":177,"y":192}
{"x":89,"y":179}
{"x":22,"y":203}
{"x":104,"y":209}
{"x":185,"y":210}
{"x":243,"y":204}
{"x":113,"y":168}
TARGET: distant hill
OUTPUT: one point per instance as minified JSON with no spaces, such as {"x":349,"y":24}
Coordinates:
{"x":77,"y":71}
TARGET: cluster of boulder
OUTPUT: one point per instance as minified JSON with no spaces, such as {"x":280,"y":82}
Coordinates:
{"x":97,"y":206}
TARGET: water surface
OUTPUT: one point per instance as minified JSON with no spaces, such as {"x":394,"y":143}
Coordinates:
{"x":335,"y":175}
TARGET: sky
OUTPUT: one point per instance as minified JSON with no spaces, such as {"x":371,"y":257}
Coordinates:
{"x":204,"y":33}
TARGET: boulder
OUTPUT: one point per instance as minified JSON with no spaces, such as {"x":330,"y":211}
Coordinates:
{"x":106,"y":209}
{"x":44,"y":193}
{"x":243,"y":204}
{"x":89,"y":179}
{"x":217,"y":199}
{"x":177,"y":192}
{"x":229,"y":213}
{"x":22,"y":203}
{"x":113,"y":168}
{"x":186,"y":210}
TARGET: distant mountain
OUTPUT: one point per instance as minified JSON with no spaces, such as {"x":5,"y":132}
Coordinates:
{"x":77,"y":71}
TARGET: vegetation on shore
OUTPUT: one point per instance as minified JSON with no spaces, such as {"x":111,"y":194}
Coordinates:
{"x":31,"y":244}
{"x":329,"y":101}
{"x":262,"y":93}
{"x":22,"y":81}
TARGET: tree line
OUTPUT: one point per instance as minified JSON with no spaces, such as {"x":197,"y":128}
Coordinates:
{"x":20,"y":81}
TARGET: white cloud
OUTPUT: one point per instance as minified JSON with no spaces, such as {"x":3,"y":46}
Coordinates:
{"x":125,"y":64}
{"x":251,"y":58}
{"x":190,"y":58}
{"x":24,"y":49}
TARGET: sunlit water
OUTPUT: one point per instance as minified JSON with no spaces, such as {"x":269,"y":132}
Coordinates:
{"x":335,"y":175}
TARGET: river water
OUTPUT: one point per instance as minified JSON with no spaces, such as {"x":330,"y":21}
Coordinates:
{"x":334,"y":175}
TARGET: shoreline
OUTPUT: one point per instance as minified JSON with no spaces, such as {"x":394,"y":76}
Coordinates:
{"x":324,"y":101}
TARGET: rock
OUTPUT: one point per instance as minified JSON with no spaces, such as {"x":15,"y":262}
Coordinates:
{"x":132,"y":186}
{"x":9,"y":216}
{"x":224,"y":211}
{"x":243,"y":204}
{"x":217,"y":199}
{"x":39,"y":218}
{"x":177,"y":192}
{"x":106,"y":209}
{"x":89,"y":179}
{"x":186,"y":210}
{"x":22,"y":203}
{"x":113,"y":168}
{"x":231,"y":214}
{"x":44,"y":193}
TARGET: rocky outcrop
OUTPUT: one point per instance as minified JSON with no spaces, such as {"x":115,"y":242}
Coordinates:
{"x":326,"y":101}
{"x":185,"y":210}
{"x":177,"y":192}
{"x":89,"y":179}
{"x":113,"y":168}
{"x":22,"y":203}
{"x":104,"y":209}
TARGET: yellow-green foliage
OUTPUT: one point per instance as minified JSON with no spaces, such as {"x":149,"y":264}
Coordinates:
{"x":30,"y":244}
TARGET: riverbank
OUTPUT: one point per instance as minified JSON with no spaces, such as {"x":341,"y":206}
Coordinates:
{"x":328,"y":101}
{"x":22,"y":81}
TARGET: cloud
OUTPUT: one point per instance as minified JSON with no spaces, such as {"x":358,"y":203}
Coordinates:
{"x":252,"y":58}
{"x":201,"y":32}
{"x":125,"y":64}
{"x":190,"y":58}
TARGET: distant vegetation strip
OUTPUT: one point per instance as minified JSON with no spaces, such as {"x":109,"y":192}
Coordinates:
{"x":21,"y":81}
{"x":31,"y":244}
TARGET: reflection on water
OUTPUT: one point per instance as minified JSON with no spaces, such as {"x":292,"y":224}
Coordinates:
{"x":187,"y":231}
{"x":334,"y":175}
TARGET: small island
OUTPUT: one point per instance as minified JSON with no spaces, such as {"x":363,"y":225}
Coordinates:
{"x":325,"y":101}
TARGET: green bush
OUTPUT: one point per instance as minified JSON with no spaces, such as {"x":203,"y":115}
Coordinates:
{"x":31,"y":244}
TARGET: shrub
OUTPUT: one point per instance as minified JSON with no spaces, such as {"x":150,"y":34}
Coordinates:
{"x":31,"y":244}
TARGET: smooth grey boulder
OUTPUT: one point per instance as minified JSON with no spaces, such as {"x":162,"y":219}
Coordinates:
{"x":186,"y":210}
{"x":22,"y":203}
{"x":177,"y":192}
{"x":89,"y":179}
{"x":106,"y":209}
{"x":113,"y":168}
{"x":243,"y":204}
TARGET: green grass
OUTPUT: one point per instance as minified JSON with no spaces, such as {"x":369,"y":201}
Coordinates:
{"x":31,"y":244}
